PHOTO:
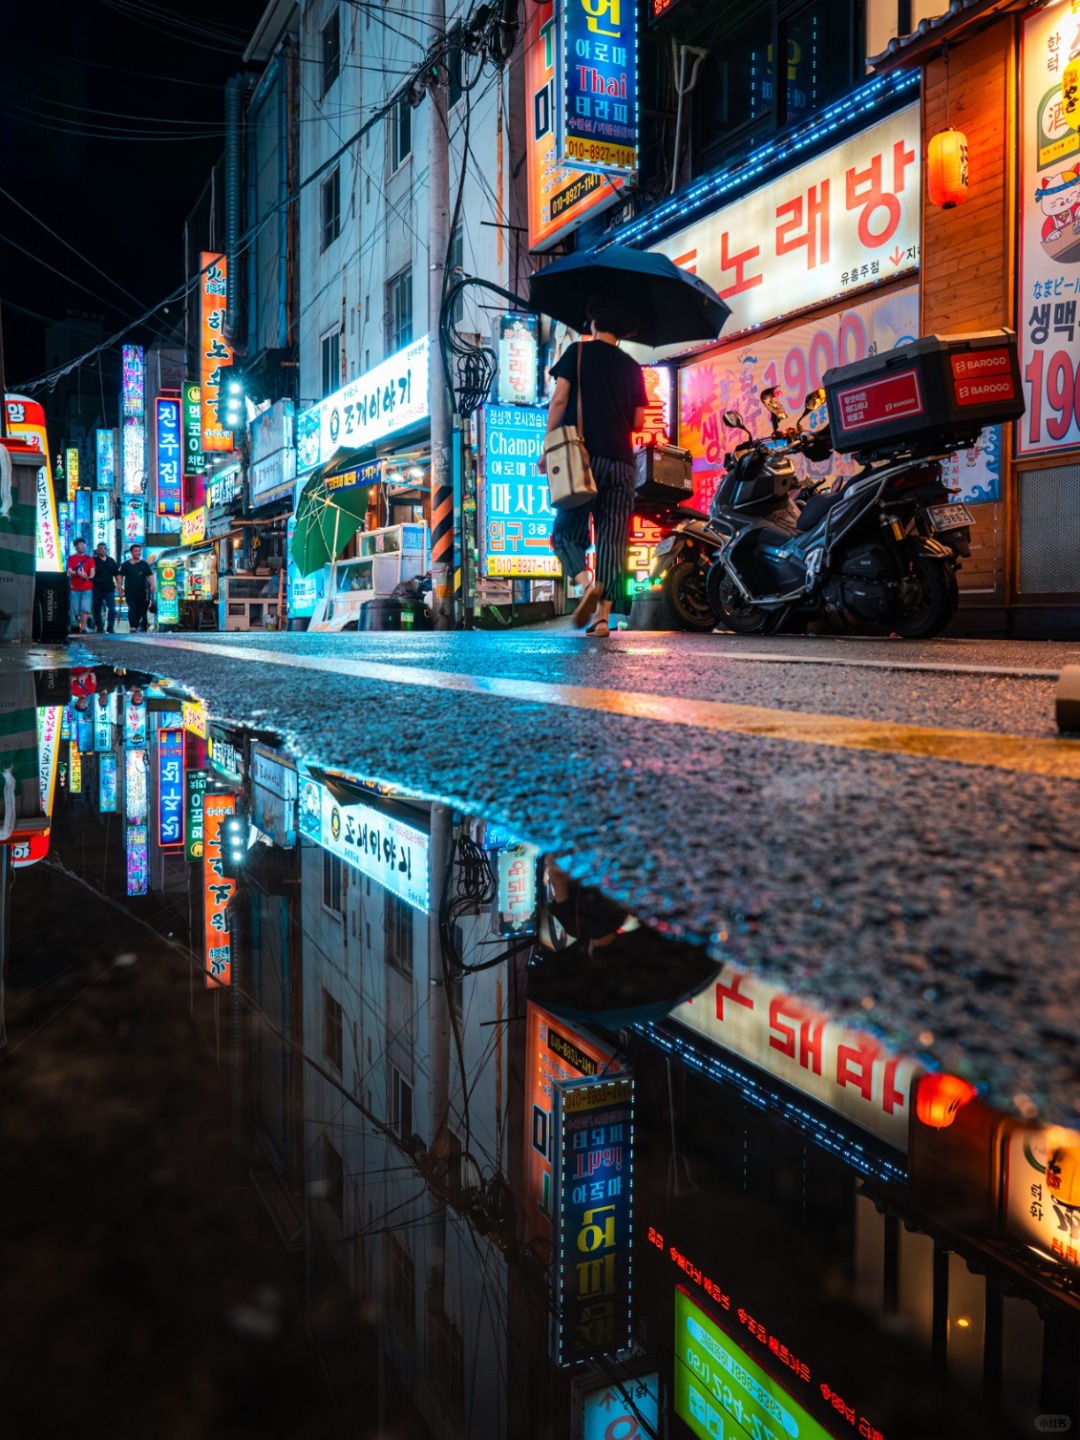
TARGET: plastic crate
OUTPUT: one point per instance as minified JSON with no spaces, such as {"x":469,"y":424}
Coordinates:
{"x":930,"y":396}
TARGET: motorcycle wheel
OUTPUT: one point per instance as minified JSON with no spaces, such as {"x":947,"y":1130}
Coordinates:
{"x":929,"y":597}
{"x":685,"y":592}
{"x":730,"y":608}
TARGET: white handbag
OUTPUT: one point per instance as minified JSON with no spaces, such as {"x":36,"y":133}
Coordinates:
{"x":568,"y":471}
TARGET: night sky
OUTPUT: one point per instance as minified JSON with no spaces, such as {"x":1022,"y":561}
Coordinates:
{"x":111,"y":117}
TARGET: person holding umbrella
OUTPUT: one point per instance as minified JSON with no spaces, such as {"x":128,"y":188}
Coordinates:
{"x":613,"y":400}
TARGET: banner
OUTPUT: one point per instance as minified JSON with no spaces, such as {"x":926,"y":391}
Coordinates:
{"x":559,"y":197}
{"x":1049,"y":238}
{"x":214,"y":351}
{"x":598,"y":109}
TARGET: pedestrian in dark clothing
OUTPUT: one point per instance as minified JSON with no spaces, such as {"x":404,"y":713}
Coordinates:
{"x":106,"y":569}
{"x":137,"y":588}
{"x":613,"y":401}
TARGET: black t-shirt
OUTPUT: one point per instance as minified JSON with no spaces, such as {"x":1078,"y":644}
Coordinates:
{"x":105,"y":573}
{"x":136,"y":575}
{"x":612,"y":388}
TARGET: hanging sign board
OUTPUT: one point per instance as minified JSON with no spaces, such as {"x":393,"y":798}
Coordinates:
{"x":170,"y":787}
{"x":217,"y":892}
{"x":193,"y":451}
{"x":26,"y":422}
{"x":195,"y":791}
{"x":214,"y":352}
{"x":598,"y":111}
{"x":170,"y":484}
{"x":390,"y":397}
{"x":515,"y":501}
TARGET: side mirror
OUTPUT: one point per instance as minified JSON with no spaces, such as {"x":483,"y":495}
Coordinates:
{"x":733,"y":420}
{"x":772,"y":403}
{"x":814,"y":401}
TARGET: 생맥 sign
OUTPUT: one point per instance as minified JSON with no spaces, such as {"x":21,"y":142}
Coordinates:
{"x":843,"y":1068}
{"x":390,"y":397}
{"x":846,"y":219}
{"x":594,"y":1127}
{"x":516,"y":513}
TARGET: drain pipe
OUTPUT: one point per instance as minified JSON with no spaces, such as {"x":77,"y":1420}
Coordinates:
{"x":682,"y":89}
{"x":235,"y":89}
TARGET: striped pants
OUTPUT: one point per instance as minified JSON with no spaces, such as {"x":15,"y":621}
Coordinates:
{"x":610,"y":513}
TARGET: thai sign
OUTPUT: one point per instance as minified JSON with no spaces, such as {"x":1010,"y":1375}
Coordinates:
{"x":598,"y":110}
{"x":846,"y":1069}
{"x":849,"y":218}
{"x":594,"y":1127}
{"x":559,"y":196}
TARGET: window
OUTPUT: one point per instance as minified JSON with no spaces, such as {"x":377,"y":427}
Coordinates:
{"x":334,"y":1178}
{"x":399,"y":312}
{"x":446,"y":1360}
{"x":400,"y":1118}
{"x":331,"y":381}
{"x":455,"y":270}
{"x":332,"y":1030}
{"x":331,"y":51}
{"x":331,"y":881}
{"x":400,"y":134}
{"x":398,"y":925}
{"x":330,"y":191}
{"x":816,"y":45}
{"x":401,"y":1285}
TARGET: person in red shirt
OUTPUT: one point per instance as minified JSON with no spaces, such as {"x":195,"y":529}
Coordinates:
{"x":80,"y":569}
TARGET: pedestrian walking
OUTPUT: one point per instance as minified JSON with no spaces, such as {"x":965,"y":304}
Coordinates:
{"x":80,"y":569}
{"x":613,"y":400}
{"x":106,"y":569}
{"x":137,"y":588}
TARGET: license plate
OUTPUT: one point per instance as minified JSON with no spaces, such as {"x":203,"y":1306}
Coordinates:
{"x":665,"y":545}
{"x":950,"y":517}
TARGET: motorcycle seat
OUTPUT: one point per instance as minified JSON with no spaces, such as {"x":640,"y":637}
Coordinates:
{"x":770,"y":535}
{"x":815,"y":510}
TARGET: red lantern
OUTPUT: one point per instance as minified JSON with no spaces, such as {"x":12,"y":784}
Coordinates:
{"x":947,"y":168}
{"x":939,"y":1099}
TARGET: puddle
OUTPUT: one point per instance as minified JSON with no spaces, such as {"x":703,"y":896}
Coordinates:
{"x":330,"y":1110}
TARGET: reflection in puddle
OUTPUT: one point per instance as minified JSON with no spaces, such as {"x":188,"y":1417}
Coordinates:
{"x":354,"y":1114}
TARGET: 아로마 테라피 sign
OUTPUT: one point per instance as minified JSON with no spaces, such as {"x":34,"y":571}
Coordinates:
{"x":598,"y":113}
{"x":848,"y":218}
{"x":390,"y":397}
{"x":515,"y":500}
{"x":846,"y":1069}
{"x":594,"y":1140}
{"x":559,"y":196}
{"x":214,"y":350}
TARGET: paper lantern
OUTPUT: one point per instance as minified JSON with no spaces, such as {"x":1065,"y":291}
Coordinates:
{"x":947,"y":168}
{"x":939,"y":1099}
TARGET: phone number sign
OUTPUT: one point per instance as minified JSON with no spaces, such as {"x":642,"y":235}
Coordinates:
{"x":517,"y":517}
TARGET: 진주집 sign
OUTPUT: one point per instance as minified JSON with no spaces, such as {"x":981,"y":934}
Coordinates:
{"x":594,"y":1127}
{"x":846,"y":219}
{"x":720,"y":1390}
{"x":390,"y":397}
{"x":559,"y":196}
{"x":388,"y":849}
{"x":217,"y":892}
{"x":515,"y":501}
{"x":170,"y":787}
{"x":598,"y":112}
{"x":170,"y":485}
{"x":846,"y":1069}
{"x":214,"y":350}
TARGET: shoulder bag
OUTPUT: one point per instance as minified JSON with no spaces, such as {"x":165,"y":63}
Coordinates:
{"x":568,"y":471}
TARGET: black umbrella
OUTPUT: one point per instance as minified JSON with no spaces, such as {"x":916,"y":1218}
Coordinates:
{"x":673,"y":306}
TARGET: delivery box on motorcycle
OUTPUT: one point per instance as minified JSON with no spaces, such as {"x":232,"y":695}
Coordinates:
{"x":932,"y":395}
{"x":664,"y":472}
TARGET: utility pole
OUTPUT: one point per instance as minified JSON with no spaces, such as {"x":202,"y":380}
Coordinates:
{"x":438,"y":231}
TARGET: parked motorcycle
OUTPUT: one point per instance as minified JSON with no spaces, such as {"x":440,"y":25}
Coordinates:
{"x":880,"y":553}
{"x":664,"y":489}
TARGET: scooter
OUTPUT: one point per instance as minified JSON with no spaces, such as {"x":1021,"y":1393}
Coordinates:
{"x":879,"y":554}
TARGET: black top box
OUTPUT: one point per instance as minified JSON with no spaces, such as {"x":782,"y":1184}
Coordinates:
{"x":931,"y":396}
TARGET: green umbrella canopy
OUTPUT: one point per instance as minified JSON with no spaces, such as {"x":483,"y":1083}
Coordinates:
{"x":326,"y":520}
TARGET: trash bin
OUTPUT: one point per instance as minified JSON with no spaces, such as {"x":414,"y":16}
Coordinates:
{"x":51,"y":607}
{"x":388,"y":613}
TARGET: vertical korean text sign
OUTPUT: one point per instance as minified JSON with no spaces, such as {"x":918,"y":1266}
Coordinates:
{"x":594,"y":1215}
{"x":217,"y":892}
{"x":517,"y":517}
{"x":598,"y":113}
{"x":170,"y":787}
{"x":170,"y":485}
{"x":214,"y":351}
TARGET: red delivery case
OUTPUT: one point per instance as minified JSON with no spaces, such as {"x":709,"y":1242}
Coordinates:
{"x":930,"y":396}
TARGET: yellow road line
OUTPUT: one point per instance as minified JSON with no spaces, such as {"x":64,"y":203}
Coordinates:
{"x":1018,"y":754}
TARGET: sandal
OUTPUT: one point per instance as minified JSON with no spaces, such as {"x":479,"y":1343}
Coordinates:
{"x":601,"y":630}
{"x":583,"y":611}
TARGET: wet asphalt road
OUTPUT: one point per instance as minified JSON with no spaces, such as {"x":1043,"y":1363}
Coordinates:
{"x":937,"y":902}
